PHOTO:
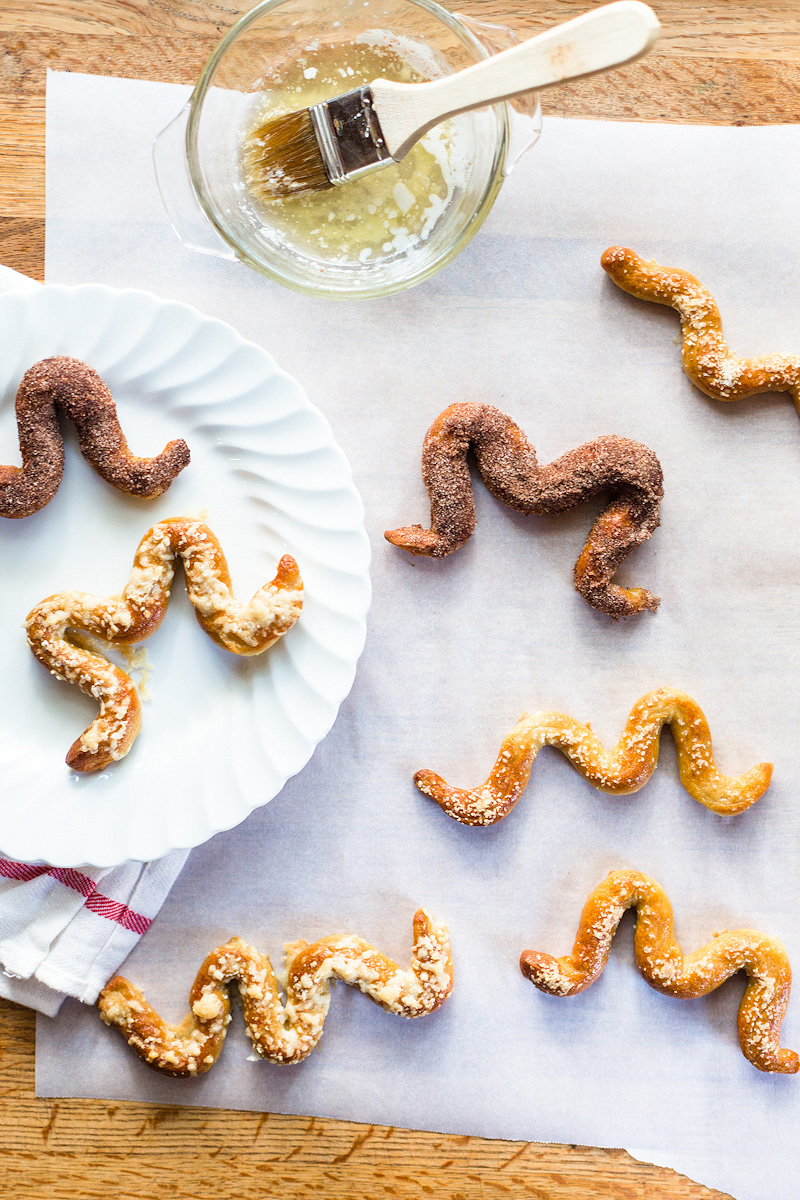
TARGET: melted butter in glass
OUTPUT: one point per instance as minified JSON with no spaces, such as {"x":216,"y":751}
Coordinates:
{"x":381,"y":214}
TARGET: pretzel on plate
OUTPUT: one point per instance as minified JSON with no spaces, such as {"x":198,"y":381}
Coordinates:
{"x":706,"y":358}
{"x":68,"y":385}
{"x":243,"y":628}
{"x":283,"y":1032}
{"x":507,"y":461}
{"x":619,"y":772}
{"x":661,"y":961}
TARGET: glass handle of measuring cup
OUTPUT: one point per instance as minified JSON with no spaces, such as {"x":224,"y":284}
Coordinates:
{"x":180,"y":200}
{"x":524,"y":112}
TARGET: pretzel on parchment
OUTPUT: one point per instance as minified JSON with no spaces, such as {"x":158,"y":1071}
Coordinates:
{"x":282,"y":1032}
{"x":122,"y":620}
{"x":706,"y":358}
{"x":661,"y":961}
{"x":507,"y":461}
{"x":68,"y":385}
{"x":619,"y":772}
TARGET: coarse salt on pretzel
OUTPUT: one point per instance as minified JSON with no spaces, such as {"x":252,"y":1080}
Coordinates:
{"x":282,"y":1032}
{"x":706,"y":358}
{"x":243,"y":628}
{"x":74,"y":388}
{"x":661,"y":961}
{"x":619,"y":772}
{"x":507,"y":461}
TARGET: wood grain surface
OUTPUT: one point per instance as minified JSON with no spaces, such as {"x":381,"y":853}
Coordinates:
{"x":724,"y":62}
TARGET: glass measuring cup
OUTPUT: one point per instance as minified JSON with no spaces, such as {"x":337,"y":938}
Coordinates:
{"x":198,"y":156}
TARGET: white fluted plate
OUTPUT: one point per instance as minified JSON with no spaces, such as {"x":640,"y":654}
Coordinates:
{"x":220,"y":734}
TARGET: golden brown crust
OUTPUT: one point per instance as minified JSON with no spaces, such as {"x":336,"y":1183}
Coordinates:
{"x":280,"y":1032}
{"x":507,"y":462}
{"x":623,"y":770}
{"x":121,"y":620}
{"x":81,"y":395}
{"x":661,"y":961}
{"x":706,"y":358}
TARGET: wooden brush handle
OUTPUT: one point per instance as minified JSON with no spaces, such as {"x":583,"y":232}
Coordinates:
{"x":606,"y":37}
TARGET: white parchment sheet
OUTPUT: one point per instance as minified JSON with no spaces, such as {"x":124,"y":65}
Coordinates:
{"x":457,"y":649}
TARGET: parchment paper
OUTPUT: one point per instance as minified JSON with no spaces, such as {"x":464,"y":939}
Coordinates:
{"x":526,"y":319}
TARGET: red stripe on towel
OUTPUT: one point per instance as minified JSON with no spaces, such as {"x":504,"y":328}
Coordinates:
{"x":95,"y":901}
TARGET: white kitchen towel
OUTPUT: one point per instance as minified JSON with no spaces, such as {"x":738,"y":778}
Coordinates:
{"x":64,"y":932}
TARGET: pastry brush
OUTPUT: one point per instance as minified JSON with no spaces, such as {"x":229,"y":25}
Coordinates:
{"x":377,"y":124}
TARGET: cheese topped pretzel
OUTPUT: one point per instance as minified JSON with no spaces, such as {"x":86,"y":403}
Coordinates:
{"x":283,"y":1032}
{"x":664,"y":966}
{"x":706,"y":358}
{"x":619,"y":772}
{"x":243,"y":628}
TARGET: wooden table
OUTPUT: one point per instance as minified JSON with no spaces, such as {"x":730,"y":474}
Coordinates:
{"x":725,"y":62}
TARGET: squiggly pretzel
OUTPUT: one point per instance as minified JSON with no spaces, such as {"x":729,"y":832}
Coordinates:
{"x":282,"y":1033}
{"x":241,"y":628}
{"x":661,"y":961}
{"x":507,"y":462}
{"x":706,"y":358}
{"x":82,"y":396}
{"x":622,"y":771}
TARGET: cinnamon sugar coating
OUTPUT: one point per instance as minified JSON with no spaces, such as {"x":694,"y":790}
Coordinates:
{"x":706,"y":358}
{"x":507,"y":462}
{"x":618,"y":772}
{"x":77,"y":391}
{"x":282,"y":1032}
{"x":122,"y":620}
{"x":662,"y":963}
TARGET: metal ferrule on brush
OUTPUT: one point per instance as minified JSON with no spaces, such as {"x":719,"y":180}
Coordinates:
{"x":349,"y":135}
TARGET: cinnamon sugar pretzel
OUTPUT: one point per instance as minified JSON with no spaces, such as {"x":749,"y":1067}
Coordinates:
{"x":280,"y":1032}
{"x":706,"y":358}
{"x":82,"y":396}
{"x":619,"y":772}
{"x":507,"y":462}
{"x":661,"y":961}
{"x":121,"y":620}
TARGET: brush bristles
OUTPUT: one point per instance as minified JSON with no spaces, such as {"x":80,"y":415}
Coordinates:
{"x":282,"y":158}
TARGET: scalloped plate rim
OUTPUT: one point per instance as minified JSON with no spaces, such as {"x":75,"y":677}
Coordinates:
{"x":170,"y":844}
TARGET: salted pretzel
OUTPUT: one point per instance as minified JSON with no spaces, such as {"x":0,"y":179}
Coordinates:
{"x":121,"y":620}
{"x":661,"y":961}
{"x":507,"y":462}
{"x":619,"y":772}
{"x":706,"y":358}
{"x":282,"y":1032}
{"x":68,"y":385}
